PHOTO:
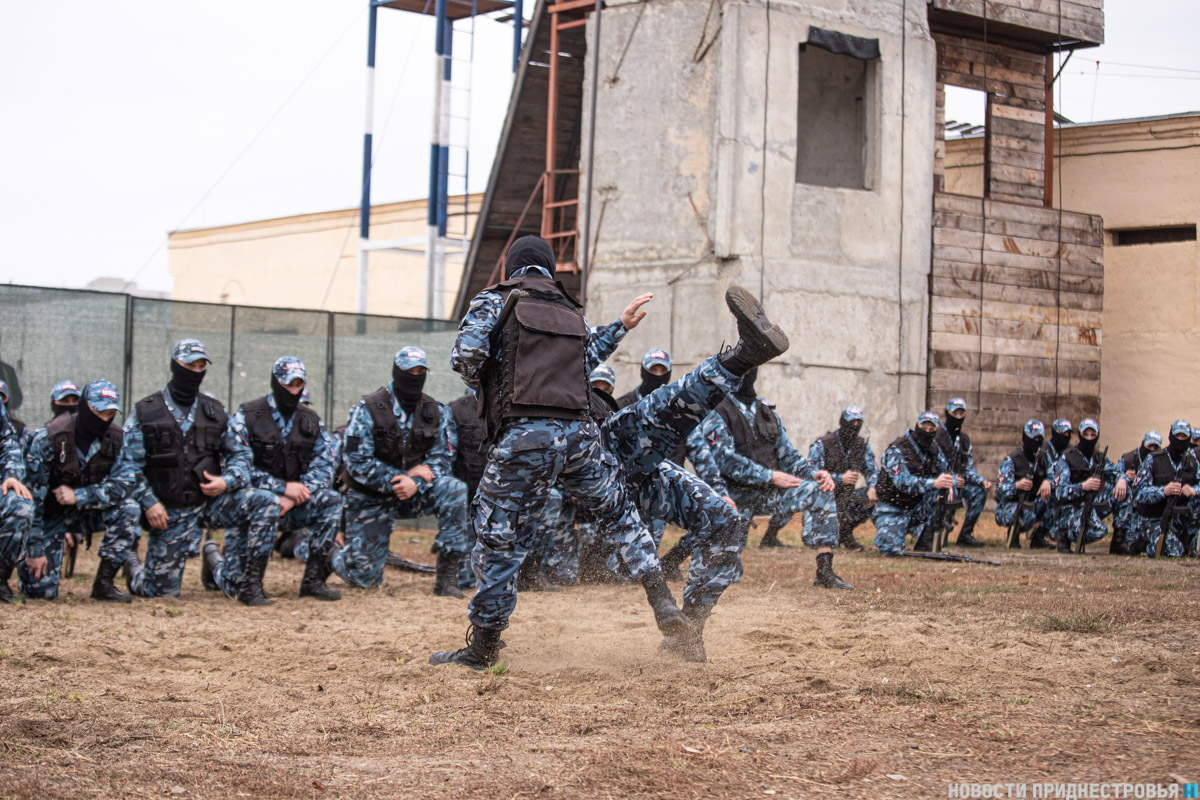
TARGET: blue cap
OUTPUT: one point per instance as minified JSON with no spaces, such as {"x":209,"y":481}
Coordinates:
{"x":603,"y":373}
{"x":102,"y":395}
{"x":929,"y":416}
{"x":4,"y":391}
{"x":1181,"y":426}
{"x":287,"y":369}
{"x":1034,"y":428}
{"x":851,"y":413}
{"x":64,"y":389}
{"x":956,"y":404}
{"x":188,"y":351}
{"x":409,"y":357}
{"x":1152,"y":438}
{"x":1089,"y":424}
{"x":656,"y":355}
{"x":1196,"y":433}
{"x":1061,"y":425}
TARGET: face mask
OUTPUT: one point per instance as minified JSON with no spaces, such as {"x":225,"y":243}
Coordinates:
{"x":1031,"y":446}
{"x":746,"y":393}
{"x":923,"y":439}
{"x":1178,"y":447}
{"x":650,"y":381}
{"x":407,"y":388}
{"x":1087,"y":447}
{"x":58,"y":409}
{"x":1060,"y":440}
{"x":1143,"y":452}
{"x":954,"y":425}
{"x":184,"y":385}
{"x":848,"y":430}
{"x":88,"y":426}
{"x":285,"y":401}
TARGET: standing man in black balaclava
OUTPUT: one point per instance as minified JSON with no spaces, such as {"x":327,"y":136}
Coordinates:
{"x":951,"y":438}
{"x":848,"y":457}
{"x":399,"y":458}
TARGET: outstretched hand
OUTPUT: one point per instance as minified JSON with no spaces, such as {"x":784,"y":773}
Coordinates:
{"x":633,"y":314}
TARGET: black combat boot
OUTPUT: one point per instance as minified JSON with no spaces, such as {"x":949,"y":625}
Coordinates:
{"x":1117,"y":547}
{"x":1063,"y":542}
{"x":316,"y":571}
{"x":671,"y":561}
{"x":965,"y":539}
{"x":6,"y":592}
{"x":210,"y":557}
{"x":690,"y":646}
{"x":483,"y":645}
{"x":666,"y":614}
{"x":826,"y":578}
{"x":445,"y":582}
{"x":925,"y":540}
{"x":251,"y":592}
{"x":285,"y":545}
{"x":131,"y":569}
{"x":846,"y":538}
{"x":759,"y":340}
{"x":102,"y":587}
{"x":1037,"y":538}
{"x":771,"y":537}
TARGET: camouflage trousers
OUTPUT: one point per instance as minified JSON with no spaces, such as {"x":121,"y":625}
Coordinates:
{"x":852,"y":508}
{"x":1070,"y":520}
{"x":321,"y":516}
{"x":1149,"y":530}
{"x":975,"y":497}
{"x":893,"y":524}
{"x":562,"y":562}
{"x":820,"y":508}
{"x":530,"y":456}
{"x":119,"y":524}
{"x":16,"y":520}
{"x":1005,"y":510}
{"x":370,"y":520}
{"x":250,"y":518}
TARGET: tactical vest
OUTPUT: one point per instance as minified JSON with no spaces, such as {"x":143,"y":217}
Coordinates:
{"x":838,"y":460}
{"x":1023,"y":467}
{"x":286,"y":460}
{"x":175,"y":463}
{"x":394,"y":446}
{"x":65,"y":469}
{"x":471,"y":458}
{"x":1081,"y":467}
{"x":541,"y":372}
{"x":1162,"y":472}
{"x":944,"y":443}
{"x":758,"y":444}
{"x":1133,"y":459}
{"x":919,"y":464}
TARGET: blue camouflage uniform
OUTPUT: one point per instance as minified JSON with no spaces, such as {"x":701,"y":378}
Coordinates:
{"x":1060,"y":441}
{"x":1147,"y":494}
{"x":1069,"y":494}
{"x":893,"y":523}
{"x":16,"y":513}
{"x":974,"y":494}
{"x":1125,"y":514}
{"x":749,"y":483}
{"x":1007,"y":495}
{"x":854,"y":506}
{"x":321,"y":514}
{"x":98,"y":507}
{"x":21,"y":432}
{"x":528,"y":457}
{"x":370,"y":517}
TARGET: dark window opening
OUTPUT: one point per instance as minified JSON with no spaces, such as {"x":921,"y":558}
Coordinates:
{"x":1175,"y":233}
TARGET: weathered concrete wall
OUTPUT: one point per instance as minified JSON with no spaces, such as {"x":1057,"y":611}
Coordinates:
{"x":830,"y":262}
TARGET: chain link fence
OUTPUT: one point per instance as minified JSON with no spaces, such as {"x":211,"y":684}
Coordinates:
{"x":49,"y":335}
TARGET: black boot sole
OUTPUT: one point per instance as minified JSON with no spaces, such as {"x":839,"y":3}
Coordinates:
{"x":746,"y":308}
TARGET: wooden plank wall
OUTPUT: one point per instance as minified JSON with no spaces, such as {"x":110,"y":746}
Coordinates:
{"x":1016,"y":289}
{"x":1062,"y":19}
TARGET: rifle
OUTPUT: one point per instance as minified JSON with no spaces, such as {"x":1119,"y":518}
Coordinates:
{"x":1169,"y":513}
{"x":71,"y":551}
{"x":945,"y":503}
{"x":841,"y":492}
{"x":394,"y":560}
{"x":949,"y":557}
{"x":1090,"y":500}
{"x":1041,"y":465}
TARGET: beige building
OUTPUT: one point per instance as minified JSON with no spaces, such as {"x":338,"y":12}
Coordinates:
{"x":311,"y":261}
{"x":1140,"y":176}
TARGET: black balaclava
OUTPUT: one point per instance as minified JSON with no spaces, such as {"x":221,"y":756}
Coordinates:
{"x":650,"y":381}
{"x":953,"y":425}
{"x":923,"y":439}
{"x":184,"y":385}
{"x":59,"y":408}
{"x":88,"y":426}
{"x":1030,"y":445}
{"x":529,"y":251}
{"x":285,"y":401}
{"x":1060,"y":440}
{"x":1143,"y":452}
{"x":848,"y":431}
{"x":407,"y":388}
{"x":1087,"y":447}
{"x":1178,"y":447}
{"x":746,"y":392}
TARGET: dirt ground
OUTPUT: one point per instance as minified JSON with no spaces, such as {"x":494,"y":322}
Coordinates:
{"x":1048,"y":668}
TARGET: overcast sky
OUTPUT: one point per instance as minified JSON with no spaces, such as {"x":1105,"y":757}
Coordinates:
{"x":126,"y":119}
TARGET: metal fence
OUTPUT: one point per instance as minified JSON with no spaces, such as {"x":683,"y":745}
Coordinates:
{"x":48,"y":335}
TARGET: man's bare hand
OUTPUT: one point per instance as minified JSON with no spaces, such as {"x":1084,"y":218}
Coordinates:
{"x":1130,"y":474}
{"x":987,"y":485}
{"x":286,"y":504}
{"x":423,"y":472}
{"x":1023,"y":485}
{"x":783,"y":480}
{"x":65,"y":495}
{"x":36,"y":566}
{"x":156,"y":516}
{"x":872,"y":498}
{"x":943,"y":481}
{"x":1120,"y":490}
{"x":296,"y":492}
{"x":1044,"y":490}
{"x":403,"y":487}
{"x":633,"y":314}
{"x":850,"y":477}
{"x":14,"y":485}
{"x":824,"y":480}
{"x":1189,"y":491}
{"x":1092,"y":484}
{"x":212,"y":485}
